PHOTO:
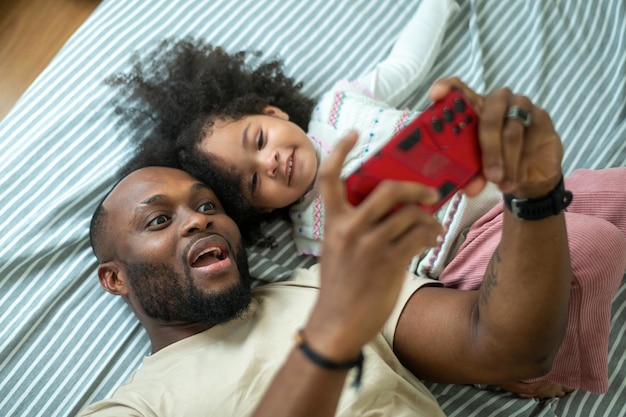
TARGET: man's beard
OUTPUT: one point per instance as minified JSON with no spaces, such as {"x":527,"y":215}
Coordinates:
{"x":167,"y":295}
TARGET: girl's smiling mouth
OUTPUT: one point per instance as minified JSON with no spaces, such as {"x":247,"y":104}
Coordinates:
{"x":289,"y":168}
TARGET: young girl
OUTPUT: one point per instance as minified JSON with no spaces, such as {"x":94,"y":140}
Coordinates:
{"x":248,"y":131}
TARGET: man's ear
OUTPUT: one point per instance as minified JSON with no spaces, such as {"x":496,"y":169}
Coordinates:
{"x":112,"y":278}
{"x":276,"y":112}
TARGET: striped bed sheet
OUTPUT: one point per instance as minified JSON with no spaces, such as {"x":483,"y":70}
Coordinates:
{"x":65,"y":343}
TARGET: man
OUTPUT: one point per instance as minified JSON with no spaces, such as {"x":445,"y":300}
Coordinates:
{"x":165,"y":244}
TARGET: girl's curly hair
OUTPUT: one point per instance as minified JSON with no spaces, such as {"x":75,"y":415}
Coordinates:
{"x":180,"y":89}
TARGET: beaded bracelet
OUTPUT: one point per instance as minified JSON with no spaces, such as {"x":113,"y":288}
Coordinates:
{"x":329,"y":364}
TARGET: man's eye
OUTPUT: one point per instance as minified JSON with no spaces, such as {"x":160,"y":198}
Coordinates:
{"x":159,"y":220}
{"x":260,"y":141}
{"x":206,"y":207}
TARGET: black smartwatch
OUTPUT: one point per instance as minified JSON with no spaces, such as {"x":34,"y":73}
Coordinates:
{"x":539,"y":208}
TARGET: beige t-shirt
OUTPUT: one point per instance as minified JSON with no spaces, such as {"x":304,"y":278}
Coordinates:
{"x":225,"y":370}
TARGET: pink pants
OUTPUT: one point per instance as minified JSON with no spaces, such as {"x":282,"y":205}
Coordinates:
{"x":596,"y":228}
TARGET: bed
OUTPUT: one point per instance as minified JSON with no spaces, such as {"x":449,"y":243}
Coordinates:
{"x":65,"y":343}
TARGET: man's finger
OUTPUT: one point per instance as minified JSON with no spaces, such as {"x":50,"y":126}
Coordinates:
{"x":394,"y":228}
{"x":490,"y":134}
{"x":331,"y":186}
{"x":392,"y":194}
{"x":475,"y":186}
{"x":513,"y":141}
{"x":441,"y":87}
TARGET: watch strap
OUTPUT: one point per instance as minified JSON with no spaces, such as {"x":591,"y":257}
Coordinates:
{"x":326,"y":363}
{"x":539,"y":208}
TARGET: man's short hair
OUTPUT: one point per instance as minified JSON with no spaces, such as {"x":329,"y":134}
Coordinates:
{"x":97,"y":227}
{"x":98,"y":224}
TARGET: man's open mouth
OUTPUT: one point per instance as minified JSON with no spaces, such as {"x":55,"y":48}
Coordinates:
{"x":207,"y":251}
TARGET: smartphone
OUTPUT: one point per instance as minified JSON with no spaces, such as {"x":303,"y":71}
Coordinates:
{"x":439,"y":148}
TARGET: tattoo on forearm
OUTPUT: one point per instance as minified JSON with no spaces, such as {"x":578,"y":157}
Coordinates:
{"x":491,"y":277}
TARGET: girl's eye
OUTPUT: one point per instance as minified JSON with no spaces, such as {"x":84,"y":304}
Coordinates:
{"x":260,"y":141}
{"x":206,"y":207}
{"x":255,"y":180}
{"x":159,"y":220}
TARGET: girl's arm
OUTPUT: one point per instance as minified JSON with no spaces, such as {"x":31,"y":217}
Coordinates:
{"x":413,"y":54}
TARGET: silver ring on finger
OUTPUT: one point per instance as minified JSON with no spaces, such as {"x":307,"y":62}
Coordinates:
{"x":516,"y":113}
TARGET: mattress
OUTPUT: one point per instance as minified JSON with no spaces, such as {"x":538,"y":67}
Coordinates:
{"x":65,"y":343}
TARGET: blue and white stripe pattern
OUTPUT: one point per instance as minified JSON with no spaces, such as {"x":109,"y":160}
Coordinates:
{"x":64,"y":342}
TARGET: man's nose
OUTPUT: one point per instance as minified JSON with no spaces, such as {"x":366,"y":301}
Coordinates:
{"x":194,"y":221}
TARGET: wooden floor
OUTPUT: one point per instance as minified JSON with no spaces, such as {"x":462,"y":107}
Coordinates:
{"x":31,"y":33}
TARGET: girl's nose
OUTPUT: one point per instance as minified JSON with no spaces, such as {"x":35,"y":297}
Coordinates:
{"x":271,"y":163}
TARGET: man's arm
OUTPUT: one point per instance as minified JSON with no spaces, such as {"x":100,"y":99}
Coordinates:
{"x":445,"y":335}
{"x":364,"y":256}
{"x":512,"y":327}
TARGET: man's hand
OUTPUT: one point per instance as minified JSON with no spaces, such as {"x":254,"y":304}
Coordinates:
{"x":365,"y":254}
{"x":512,"y":327}
{"x":525,"y":161}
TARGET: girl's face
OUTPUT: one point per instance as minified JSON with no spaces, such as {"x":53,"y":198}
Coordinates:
{"x":274,"y":156}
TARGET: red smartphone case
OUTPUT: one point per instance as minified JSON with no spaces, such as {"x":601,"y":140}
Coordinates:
{"x":439,"y":148}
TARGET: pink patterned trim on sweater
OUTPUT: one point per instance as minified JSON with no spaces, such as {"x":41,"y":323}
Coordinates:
{"x":323,"y":144}
{"x":358,"y":86}
{"x":308,"y":252}
{"x":318,"y":208}
{"x":336,"y":108}
{"x":403,"y":121}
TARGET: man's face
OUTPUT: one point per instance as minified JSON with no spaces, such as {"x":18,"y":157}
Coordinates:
{"x":181,"y":254}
